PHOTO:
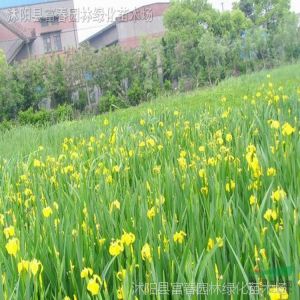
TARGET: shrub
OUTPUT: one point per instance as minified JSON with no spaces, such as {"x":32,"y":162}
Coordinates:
{"x":45,"y":117}
{"x":135,"y":94}
{"x":62,"y":113}
{"x":39,"y":118}
{"x":110,"y":102}
{"x":82,"y":102}
{"x":201,"y":46}
{"x":167,"y":85}
{"x":5,"y":125}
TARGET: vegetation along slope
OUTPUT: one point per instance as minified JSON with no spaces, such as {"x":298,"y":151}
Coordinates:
{"x":190,"y":189}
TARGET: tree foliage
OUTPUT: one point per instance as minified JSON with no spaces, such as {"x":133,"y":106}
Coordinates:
{"x":207,"y":45}
{"x":201,"y":46}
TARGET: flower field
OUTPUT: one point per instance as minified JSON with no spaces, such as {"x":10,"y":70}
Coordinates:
{"x":196,"y":197}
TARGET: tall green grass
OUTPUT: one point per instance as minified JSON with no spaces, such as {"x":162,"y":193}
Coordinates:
{"x":184,"y":166}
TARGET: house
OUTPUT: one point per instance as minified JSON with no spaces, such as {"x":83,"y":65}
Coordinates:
{"x":129,"y":29}
{"x":33,"y":28}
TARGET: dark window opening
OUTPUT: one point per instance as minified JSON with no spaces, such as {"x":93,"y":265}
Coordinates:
{"x":52,"y":42}
{"x":49,"y":21}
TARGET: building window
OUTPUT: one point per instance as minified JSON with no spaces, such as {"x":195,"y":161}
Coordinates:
{"x":47,"y":43}
{"x":57,"y":42}
{"x":49,"y":21}
{"x":52,"y":42}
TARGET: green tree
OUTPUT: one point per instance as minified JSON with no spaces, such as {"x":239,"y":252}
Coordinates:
{"x":79,"y":69}
{"x":10,"y":97}
{"x":247,"y":7}
{"x":286,"y":40}
{"x":30,"y":76}
{"x":111,"y":69}
{"x":188,"y":24}
{"x":56,"y":83}
{"x":267,"y":13}
{"x":213,"y":54}
{"x":148,"y":59}
{"x":184,"y":30}
{"x":255,"y":48}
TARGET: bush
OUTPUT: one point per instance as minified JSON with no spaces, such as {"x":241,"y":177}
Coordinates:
{"x":46,"y":117}
{"x":82,"y":102}
{"x":5,"y":125}
{"x":39,"y":118}
{"x":167,"y":85}
{"x":135,"y":94}
{"x":110,"y":102}
{"x":201,"y":46}
{"x":62,"y":113}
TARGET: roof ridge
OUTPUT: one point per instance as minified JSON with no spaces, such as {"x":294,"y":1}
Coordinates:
{"x":120,"y":17}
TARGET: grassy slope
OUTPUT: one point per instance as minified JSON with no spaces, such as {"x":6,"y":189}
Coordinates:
{"x":83,"y":184}
{"x":22,"y":141}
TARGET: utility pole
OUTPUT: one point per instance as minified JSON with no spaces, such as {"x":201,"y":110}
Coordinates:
{"x":222,"y":3}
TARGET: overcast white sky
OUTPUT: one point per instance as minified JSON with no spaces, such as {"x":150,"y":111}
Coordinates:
{"x":112,"y":8}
